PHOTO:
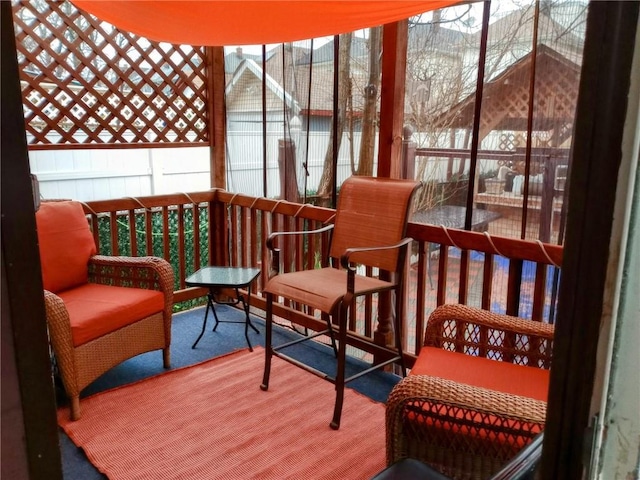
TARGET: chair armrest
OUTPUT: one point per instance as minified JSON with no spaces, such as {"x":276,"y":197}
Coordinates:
{"x":346,"y":263}
{"x":489,"y":334}
{"x":426,"y":415}
{"x":152,"y":273}
{"x":61,"y":339}
{"x":270,"y":243}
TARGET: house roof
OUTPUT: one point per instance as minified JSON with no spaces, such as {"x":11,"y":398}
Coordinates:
{"x":325,"y":53}
{"x":234,"y":59}
{"x":246,"y":75}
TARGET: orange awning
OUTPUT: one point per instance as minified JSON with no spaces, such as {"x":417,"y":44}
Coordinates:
{"x":251,"y":22}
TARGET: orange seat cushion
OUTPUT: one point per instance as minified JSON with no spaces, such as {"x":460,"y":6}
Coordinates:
{"x":321,"y":288}
{"x":65,"y":244}
{"x":95,"y":310}
{"x":531,"y":382}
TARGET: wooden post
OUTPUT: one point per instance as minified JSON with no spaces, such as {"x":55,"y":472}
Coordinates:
{"x":390,"y":164}
{"x":217,"y":116}
{"x":287,"y":168}
{"x":394,"y":60}
{"x":408,"y":154}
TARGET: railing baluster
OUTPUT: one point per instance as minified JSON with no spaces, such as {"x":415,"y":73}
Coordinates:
{"x":196,"y":237}
{"x":539,"y":292}
{"x":487,"y":281}
{"x":181,"y":248}
{"x":255,"y":246}
{"x":113,"y":225}
{"x":422,"y":274}
{"x":514,"y":286}
{"x":266,"y":261}
{"x":464,"y":277}
{"x":443,"y":262}
{"x":166,"y":247}
{"x":148,"y":222}
{"x":133,"y":237}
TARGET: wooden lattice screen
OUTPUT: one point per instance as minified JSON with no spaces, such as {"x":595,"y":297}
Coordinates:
{"x":87,"y":84}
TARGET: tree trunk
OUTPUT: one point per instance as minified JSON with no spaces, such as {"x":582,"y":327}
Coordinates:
{"x":369,"y":120}
{"x":344,"y":87}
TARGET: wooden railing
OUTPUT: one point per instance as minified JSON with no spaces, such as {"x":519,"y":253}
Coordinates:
{"x":216,"y":227}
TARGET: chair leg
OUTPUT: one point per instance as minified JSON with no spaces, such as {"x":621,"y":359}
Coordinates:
{"x":332,"y":335}
{"x":399,"y":316}
{"x":75,"y":407}
{"x":340,"y":372}
{"x":268,"y":352}
{"x":166,"y":357}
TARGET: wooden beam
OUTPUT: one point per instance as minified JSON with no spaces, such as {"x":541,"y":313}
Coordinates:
{"x":394,"y":60}
{"x":217,"y":116}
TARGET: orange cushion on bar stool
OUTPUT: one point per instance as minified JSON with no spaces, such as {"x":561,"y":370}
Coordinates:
{"x":531,"y":382}
{"x":95,"y":310}
{"x":65,"y":243}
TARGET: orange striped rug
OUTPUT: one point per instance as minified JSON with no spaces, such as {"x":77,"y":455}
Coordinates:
{"x":212,"y":421}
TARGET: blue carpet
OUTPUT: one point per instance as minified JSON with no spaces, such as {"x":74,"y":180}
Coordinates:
{"x":228,"y":337}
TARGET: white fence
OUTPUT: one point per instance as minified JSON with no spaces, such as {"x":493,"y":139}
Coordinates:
{"x":102,"y":174}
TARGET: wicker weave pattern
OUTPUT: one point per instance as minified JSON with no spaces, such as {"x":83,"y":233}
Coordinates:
{"x":81,"y":365}
{"x":492,"y":335}
{"x":152,"y":273}
{"x":464,"y":431}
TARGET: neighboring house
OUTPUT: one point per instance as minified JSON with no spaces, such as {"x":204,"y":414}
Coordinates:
{"x":234,"y":59}
{"x":441,"y":66}
{"x":244,"y":100}
{"x":292,"y":69}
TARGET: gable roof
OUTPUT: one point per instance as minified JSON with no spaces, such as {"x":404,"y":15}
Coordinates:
{"x":505,"y":103}
{"x":324,"y":53}
{"x":233,"y":60}
{"x":247,"y":73}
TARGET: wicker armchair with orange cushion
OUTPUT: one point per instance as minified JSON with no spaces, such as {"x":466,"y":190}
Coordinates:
{"x":100,"y":310}
{"x":476,"y":394}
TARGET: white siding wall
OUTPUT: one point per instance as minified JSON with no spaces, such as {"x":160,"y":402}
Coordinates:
{"x":103,"y":174}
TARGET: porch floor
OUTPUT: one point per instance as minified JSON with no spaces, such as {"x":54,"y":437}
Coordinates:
{"x":228,"y":338}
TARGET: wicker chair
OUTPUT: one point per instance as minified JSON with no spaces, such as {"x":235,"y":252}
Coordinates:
{"x":100,"y":310}
{"x":476,"y":394}
{"x":369,"y":229}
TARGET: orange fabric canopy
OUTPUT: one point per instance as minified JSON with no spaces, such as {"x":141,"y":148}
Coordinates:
{"x":234,"y":22}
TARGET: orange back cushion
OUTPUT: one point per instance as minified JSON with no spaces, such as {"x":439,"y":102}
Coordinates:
{"x":66,"y":244}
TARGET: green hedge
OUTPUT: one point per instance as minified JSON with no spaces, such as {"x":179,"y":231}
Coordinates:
{"x":157,"y":231}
